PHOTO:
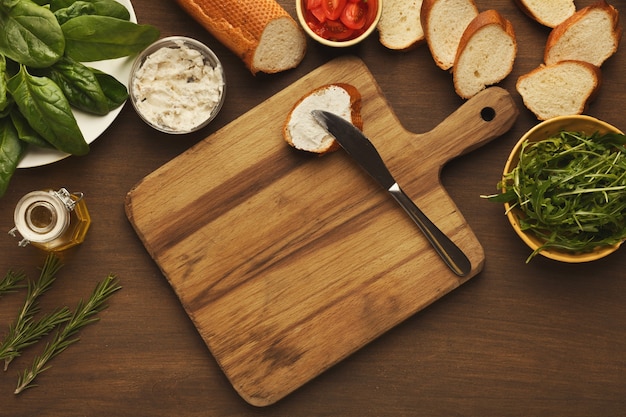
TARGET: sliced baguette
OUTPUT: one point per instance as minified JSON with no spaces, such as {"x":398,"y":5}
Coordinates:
{"x":260,"y":32}
{"x":486,"y":53}
{"x":592,"y":34}
{"x":303,"y":132}
{"x":399,"y":27}
{"x":561,"y":89}
{"x":548,"y":13}
{"x":444,"y":22}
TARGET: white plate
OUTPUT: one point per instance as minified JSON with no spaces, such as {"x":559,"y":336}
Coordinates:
{"x":91,"y":125}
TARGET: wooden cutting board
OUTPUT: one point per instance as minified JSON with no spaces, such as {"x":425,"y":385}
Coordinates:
{"x":288,"y":262}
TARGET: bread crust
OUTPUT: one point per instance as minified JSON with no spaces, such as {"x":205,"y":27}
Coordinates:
{"x":355,"y":114}
{"x":523,"y":6}
{"x":559,"y":31}
{"x":425,"y":18}
{"x":387,"y":32}
{"x":239,"y":25}
{"x":482,"y":20}
{"x":594,"y":70}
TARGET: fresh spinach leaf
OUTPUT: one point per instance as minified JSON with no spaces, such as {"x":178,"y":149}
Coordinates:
{"x":115,"y":91}
{"x":30,"y":34}
{"x":11,"y":151}
{"x":8,"y":3}
{"x":4,"y":100}
{"x":110,"y":8}
{"x":80,"y":86}
{"x":7,"y":110}
{"x":26,"y":133}
{"x":95,"y":38}
{"x":48,"y":112}
{"x":78,"y":8}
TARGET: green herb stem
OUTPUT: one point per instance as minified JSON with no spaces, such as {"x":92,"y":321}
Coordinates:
{"x":83,"y":315}
{"x":30,"y":334}
{"x":570,"y":190}
{"x":25,"y":331}
{"x":11,"y":282}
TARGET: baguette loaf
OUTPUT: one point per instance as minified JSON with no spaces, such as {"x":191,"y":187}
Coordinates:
{"x":548,"y":13}
{"x":592,"y":34}
{"x":560,"y":89}
{"x":399,"y":26}
{"x":260,"y":32}
{"x":486,"y":53}
{"x":444,"y":22}
{"x":303,"y":132}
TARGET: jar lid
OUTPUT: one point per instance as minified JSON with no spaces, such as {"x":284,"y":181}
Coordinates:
{"x":41,"y":216}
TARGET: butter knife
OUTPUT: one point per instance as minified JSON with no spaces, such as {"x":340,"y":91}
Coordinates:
{"x":359,"y":147}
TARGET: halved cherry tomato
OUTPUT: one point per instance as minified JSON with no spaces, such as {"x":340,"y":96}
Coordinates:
{"x":336,"y":31}
{"x":333,"y":8}
{"x":313,"y":4}
{"x":354,"y":15}
{"x":319,"y":14}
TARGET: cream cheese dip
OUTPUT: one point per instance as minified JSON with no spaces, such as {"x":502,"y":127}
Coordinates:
{"x":176,"y":88}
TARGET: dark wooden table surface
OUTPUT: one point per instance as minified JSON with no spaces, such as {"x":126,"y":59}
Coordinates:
{"x":543,"y":339}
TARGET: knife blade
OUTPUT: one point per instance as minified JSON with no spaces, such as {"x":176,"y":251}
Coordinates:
{"x":359,"y":147}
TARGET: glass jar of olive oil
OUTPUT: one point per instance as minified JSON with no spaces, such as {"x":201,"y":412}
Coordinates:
{"x":51,"y":220}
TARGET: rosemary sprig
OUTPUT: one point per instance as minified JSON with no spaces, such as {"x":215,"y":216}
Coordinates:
{"x":30,"y":333}
{"x":25,"y":331}
{"x":83,"y":315}
{"x":11,"y":282}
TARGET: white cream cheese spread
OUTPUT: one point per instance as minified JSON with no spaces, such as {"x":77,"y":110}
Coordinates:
{"x":176,"y":89}
{"x":302,"y":125}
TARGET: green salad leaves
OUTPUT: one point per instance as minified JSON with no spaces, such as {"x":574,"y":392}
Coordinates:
{"x":570,"y":190}
{"x":43,"y":47}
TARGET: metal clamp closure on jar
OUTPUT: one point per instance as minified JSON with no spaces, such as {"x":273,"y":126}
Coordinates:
{"x":43,"y":218}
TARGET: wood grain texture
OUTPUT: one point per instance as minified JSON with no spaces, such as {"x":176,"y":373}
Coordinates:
{"x":287,"y":262}
{"x":544,"y":339}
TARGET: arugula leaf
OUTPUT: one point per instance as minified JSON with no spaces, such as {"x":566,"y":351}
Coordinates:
{"x":570,"y":190}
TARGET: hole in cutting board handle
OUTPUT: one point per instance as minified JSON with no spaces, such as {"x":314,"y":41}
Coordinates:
{"x":488,"y":114}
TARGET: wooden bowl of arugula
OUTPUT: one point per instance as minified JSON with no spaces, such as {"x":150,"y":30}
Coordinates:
{"x":564,"y":189}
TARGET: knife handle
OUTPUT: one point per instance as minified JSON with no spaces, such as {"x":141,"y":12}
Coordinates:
{"x":451,"y":254}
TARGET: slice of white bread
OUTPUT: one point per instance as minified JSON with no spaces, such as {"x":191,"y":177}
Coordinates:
{"x":560,"y":89}
{"x":303,"y":132}
{"x":444,"y":22}
{"x":399,"y":27}
{"x":486,"y":53}
{"x":592,"y":34}
{"x":549,"y":13}
{"x":259,"y":32}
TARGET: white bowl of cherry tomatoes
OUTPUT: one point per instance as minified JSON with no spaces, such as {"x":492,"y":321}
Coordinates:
{"x":339,"y":23}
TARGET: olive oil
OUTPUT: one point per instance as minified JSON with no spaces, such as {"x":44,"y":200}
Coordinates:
{"x":51,"y":220}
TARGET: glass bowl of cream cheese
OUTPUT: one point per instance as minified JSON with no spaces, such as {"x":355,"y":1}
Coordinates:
{"x":177,"y":85}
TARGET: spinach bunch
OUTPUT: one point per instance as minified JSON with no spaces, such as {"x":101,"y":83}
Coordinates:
{"x":44,"y":45}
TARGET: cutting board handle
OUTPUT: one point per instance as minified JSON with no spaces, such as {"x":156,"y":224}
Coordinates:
{"x":484,"y":117}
